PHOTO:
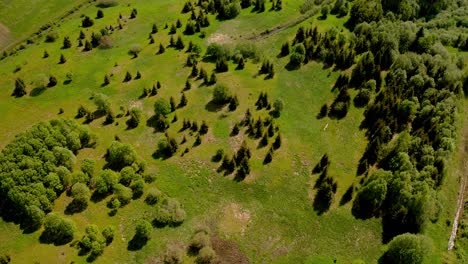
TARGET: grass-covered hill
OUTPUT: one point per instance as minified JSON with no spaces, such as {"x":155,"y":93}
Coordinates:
{"x":225,"y":131}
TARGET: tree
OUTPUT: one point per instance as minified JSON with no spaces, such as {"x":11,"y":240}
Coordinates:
{"x":120,"y":155}
{"x":62,"y":59}
{"x":88,"y":46}
{"x":161,"y":49}
{"x":233,"y":103}
{"x":87,"y":22}
{"x":179,"y":43}
{"x":128,"y":77}
{"x":66,"y":43}
{"x":183,"y":101}
{"x":108,"y":234}
{"x":153,"y":196}
{"x":240,"y":64}
{"x":285,"y":49}
{"x":46,"y":54}
{"x":206,"y":255}
{"x":138,"y":75}
{"x":278,"y":106}
{"x":134,"y":13}
{"x":87,"y":166}
{"x":371,"y":196}
{"x":52,"y":81}
{"x":324,"y":11}
{"x":277,"y":142}
{"x":135,"y":49}
{"x":135,"y":117}
{"x":162,"y":107}
{"x":221,"y":94}
{"x":99,"y":14}
{"x":20,"y":88}
{"x":154,"y":29}
{"x":407,"y":249}
{"x":57,"y":230}
{"x":81,"y":195}
{"x":365,"y":11}
{"x":106,"y":80}
{"x":143,"y":230}
{"x":101,"y":102}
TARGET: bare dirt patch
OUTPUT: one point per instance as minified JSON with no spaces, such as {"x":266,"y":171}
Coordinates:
{"x":235,"y":220}
{"x":228,"y":252}
{"x":219,"y":38}
{"x":5,"y":36}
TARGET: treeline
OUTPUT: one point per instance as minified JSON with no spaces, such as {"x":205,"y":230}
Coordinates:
{"x":410,"y":86}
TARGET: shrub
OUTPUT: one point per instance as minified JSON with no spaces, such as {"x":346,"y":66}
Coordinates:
{"x":221,"y":94}
{"x":51,"y":36}
{"x":406,"y":249}
{"x":153,"y":196}
{"x":87,"y":22}
{"x":58,"y":230}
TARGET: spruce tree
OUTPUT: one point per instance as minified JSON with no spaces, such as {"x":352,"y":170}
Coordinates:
{"x":66,"y":43}
{"x":62,"y":59}
{"x":161,"y":49}
{"x":154,"y":29}
{"x":20,"y":88}
{"x":128,"y":77}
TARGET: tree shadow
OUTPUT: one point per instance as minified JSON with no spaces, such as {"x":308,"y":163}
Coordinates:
{"x":48,"y":238}
{"x":322,"y":201}
{"x":347,"y":196}
{"x":75,"y":207}
{"x":37,"y":91}
{"x":136,"y":243}
{"x":211,"y":106}
{"x":292,"y":67}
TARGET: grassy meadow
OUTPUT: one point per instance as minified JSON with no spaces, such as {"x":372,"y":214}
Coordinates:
{"x":269,"y":215}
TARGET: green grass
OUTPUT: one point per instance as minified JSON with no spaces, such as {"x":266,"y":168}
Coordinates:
{"x":24,"y":17}
{"x":282,"y":226}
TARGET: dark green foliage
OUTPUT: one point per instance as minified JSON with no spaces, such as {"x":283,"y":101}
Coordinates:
{"x":87,"y":22}
{"x":120,"y":155}
{"x":46,"y":54}
{"x":62,"y":59}
{"x":108,"y":234}
{"x":81,"y":195}
{"x":135,"y":117}
{"x":179,"y":43}
{"x":154,"y":29}
{"x":106,"y":80}
{"x":268,"y":157}
{"x":153,"y":196}
{"x":88,"y":46}
{"x":20,"y":88}
{"x":407,"y":249}
{"x":138,"y":75}
{"x":134,"y":13}
{"x":99,"y":14}
{"x":277,"y":142}
{"x":213,"y":78}
{"x":57,"y":230}
{"x":31,"y":191}
{"x":218,"y":155}
{"x":172,"y":103}
{"x":203,"y":128}
{"x":365,"y":11}
{"x":170,"y":212}
{"x":167,"y":147}
{"x":235,"y":130}
{"x":221,"y":94}
{"x":284,"y":50}
{"x":233,"y":103}
{"x":52,"y":81}
{"x":371,"y":196}
{"x":222,"y":65}
{"x":173,"y":30}
{"x":105,"y":182}
{"x":128,"y":77}
{"x":326,"y":188}
{"x":183,"y":101}
{"x":66,"y":43}
{"x":161,"y":49}
{"x":51,"y":36}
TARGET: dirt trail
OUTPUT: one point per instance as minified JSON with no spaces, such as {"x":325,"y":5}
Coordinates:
{"x":463,"y":182}
{"x":4,"y":36}
{"x":277,"y":29}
